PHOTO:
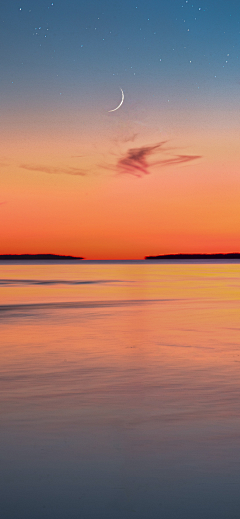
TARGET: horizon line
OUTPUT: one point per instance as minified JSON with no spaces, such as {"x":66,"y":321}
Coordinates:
{"x":168,"y":256}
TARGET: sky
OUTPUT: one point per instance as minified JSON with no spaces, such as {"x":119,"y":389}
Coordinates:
{"x":158,"y":175}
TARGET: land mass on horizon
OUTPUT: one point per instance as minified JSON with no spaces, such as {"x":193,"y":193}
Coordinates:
{"x":31,"y":257}
{"x":228,"y":255}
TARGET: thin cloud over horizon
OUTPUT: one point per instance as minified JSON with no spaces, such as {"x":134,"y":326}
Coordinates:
{"x":53,"y":170}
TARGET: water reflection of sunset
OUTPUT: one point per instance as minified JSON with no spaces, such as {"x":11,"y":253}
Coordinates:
{"x":117,"y":377}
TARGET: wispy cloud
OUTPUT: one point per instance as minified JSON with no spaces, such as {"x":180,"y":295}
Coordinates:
{"x":130,"y":138}
{"x":53,"y":170}
{"x":137,"y":161}
{"x":133,"y":161}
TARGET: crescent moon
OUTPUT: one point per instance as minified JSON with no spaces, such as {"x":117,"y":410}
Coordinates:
{"x":114,"y":110}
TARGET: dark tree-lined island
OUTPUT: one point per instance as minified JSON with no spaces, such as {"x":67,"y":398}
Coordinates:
{"x":35,"y":257}
{"x":229,"y":255}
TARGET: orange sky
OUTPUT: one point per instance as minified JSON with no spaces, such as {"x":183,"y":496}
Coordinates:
{"x":66,"y":193}
{"x":160,"y":174}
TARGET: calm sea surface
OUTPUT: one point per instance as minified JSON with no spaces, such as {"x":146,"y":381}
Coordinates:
{"x":120,"y":390}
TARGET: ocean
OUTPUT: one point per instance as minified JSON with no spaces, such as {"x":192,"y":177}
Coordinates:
{"x":120,"y":390}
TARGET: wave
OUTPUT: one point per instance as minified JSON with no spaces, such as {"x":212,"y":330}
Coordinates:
{"x":64,"y":305}
{"x":17,"y":282}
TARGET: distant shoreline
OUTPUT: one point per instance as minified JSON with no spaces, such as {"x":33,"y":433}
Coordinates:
{"x":163,"y":257}
{"x":33,"y":257}
{"x":229,"y":255}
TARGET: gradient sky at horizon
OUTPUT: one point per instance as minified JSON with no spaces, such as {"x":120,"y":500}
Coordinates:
{"x":159,"y":175}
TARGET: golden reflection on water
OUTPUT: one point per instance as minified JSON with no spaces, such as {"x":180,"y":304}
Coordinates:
{"x":119,"y":281}
{"x":142,"y":382}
